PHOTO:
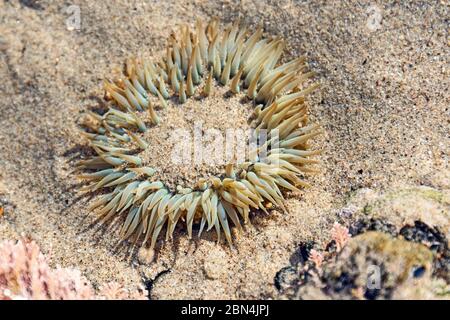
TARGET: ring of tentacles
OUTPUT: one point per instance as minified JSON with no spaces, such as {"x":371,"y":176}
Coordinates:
{"x":207,"y":57}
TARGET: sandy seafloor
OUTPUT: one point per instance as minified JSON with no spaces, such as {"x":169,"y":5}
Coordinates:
{"x":383,"y":103}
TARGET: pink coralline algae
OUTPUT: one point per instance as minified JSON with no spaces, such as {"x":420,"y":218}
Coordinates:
{"x":340,"y":235}
{"x":26,"y":275}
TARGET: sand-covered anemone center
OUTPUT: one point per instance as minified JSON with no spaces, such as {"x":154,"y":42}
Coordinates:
{"x":198,"y":138}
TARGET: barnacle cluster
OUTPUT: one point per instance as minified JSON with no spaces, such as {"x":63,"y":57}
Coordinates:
{"x":205,"y":58}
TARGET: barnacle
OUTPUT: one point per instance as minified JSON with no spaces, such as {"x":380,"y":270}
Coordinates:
{"x":207,"y":57}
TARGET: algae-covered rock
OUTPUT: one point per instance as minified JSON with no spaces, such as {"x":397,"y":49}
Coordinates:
{"x":375,"y":264}
{"x":405,"y":205}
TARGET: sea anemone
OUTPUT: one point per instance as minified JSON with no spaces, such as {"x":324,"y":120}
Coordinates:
{"x":207,"y":58}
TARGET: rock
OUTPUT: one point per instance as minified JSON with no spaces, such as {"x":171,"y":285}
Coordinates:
{"x":371,"y":224}
{"x":377,"y":264}
{"x":405,"y":206}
